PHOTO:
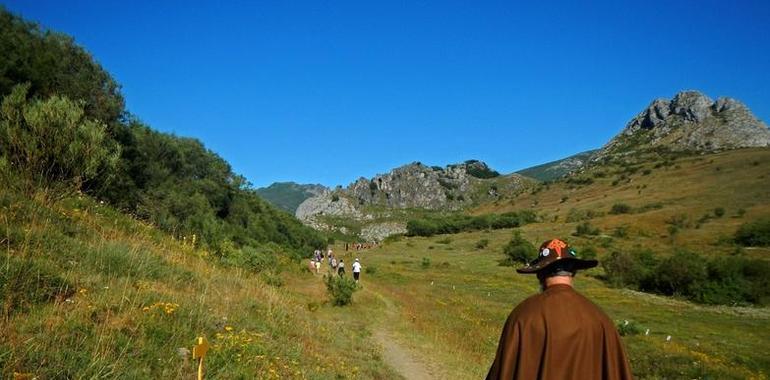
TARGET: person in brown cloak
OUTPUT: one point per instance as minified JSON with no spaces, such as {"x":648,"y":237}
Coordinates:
{"x":559,"y":334}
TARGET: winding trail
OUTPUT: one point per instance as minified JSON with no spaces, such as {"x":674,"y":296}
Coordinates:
{"x":403,"y":359}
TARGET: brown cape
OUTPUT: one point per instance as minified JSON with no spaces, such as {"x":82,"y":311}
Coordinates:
{"x":559,"y":334}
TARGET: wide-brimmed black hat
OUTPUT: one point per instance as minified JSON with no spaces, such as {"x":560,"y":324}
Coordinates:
{"x":552,"y":251}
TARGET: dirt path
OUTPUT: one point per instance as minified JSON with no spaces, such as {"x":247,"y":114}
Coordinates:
{"x":403,"y":359}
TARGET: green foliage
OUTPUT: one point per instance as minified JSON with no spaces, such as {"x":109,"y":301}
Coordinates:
{"x":584,"y":229}
{"x":53,"y":63}
{"x":576,"y":215}
{"x":455,"y":223}
{"x":370,"y":269}
{"x":620,"y":208}
{"x":518,"y":250}
{"x":253,"y":259}
{"x":723,"y":280}
{"x":756,"y":233}
{"x":481,"y":244}
{"x":480,"y":171}
{"x":340,"y":289}
{"x":425,"y":263}
{"x":587,"y":253}
{"x":626,"y":328}
{"x":719,"y":212}
{"x":50,"y":144}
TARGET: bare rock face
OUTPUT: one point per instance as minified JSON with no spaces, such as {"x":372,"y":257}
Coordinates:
{"x":326,"y":203}
{"x":690,"y":121}
{"x":418,"y":186}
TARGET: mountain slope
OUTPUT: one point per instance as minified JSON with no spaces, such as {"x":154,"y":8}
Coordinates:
{"x":288,"y":195}
{"x":559,"y":168}
{"x":689,"y":122}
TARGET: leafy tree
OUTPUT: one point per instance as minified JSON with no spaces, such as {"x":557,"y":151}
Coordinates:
{"x":51,"y":145}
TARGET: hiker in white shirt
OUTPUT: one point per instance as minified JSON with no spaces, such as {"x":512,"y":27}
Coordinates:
{"x":356,"y":270}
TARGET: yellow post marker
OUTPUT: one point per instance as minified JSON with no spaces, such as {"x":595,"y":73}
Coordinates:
{"x":199,"y":351}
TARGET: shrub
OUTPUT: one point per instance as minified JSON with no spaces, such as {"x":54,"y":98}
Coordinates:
{"x":52,"y":145}
{"x":756,"y":233}
{"x":587,"y":253}
{"x":620,"y":208}
{"x":272,"y":278}
{"x":481,"y":244}
{"x":626,"y":328}
{"x":719,"y":212}
{"x":335,"y":198}
{"x":620,"y":232}
{"x":680,"y":274}
{"x":585,"y":228}
{"x":634,"y":269}
{"x":340,"y":289}
{"x":518,"y":250}
{"x":425,"y":264}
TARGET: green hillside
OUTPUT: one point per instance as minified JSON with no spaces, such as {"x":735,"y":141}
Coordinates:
{"x":288,"y":195}
{"x":559,"y":168}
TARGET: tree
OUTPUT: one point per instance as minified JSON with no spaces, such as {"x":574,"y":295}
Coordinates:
{"x":50,"y":144}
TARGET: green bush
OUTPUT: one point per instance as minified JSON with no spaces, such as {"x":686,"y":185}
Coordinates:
{"x":626,"y":328}
{"x":632,"y":269}
{"x":340,"y":289}
{"x":733,"y":280}
{"x":481,"y":244}
{"x":585,"y":228}
{"x":756,"y":233}
{"x":518,"y":250}
{"x":620,"y":208}
{"x":52,"y":145}
{"x":587,"y":253}
{"x":719,"y":212}
{"x":425,"y":263}
{"x":455,"y":223}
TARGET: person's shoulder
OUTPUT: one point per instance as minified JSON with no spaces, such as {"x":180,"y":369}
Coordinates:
{"x":527,"y":309}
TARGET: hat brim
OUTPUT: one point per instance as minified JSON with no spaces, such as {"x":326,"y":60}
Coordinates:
{"x":542,"y":264}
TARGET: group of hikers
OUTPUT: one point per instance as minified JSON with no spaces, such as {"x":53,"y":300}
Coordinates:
{"x":335,"y":266}
{"x":360,"y":246}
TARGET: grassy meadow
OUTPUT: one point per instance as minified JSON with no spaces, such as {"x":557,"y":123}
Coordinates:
{"x":88,"y":292}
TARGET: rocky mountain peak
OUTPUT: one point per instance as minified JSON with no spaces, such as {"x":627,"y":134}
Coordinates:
{"x":690,"y":121}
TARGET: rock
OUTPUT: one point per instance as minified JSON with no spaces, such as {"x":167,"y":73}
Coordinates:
{"x":691,"y":121}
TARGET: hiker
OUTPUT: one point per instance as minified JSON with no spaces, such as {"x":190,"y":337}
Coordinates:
{"x":333,"y":263}
{"x":311,"y":265}
{"x":559,"y":334}
{"x":356,"y":269}
{"x":341,"y":268}
{"x":318,"y":266}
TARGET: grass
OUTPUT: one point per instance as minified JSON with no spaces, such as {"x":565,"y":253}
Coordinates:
{"x":89,"y":293}
{"x":473,"y":293}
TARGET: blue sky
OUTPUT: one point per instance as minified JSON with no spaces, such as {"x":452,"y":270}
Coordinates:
{"x":325,"y":92}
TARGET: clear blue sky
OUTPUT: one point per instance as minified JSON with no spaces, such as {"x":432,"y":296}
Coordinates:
{"x":324,"y":92}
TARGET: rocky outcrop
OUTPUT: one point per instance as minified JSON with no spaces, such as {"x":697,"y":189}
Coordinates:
{"x":327,"y":203}
{"x":690,"y":121}
{"x":418,"y":186}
